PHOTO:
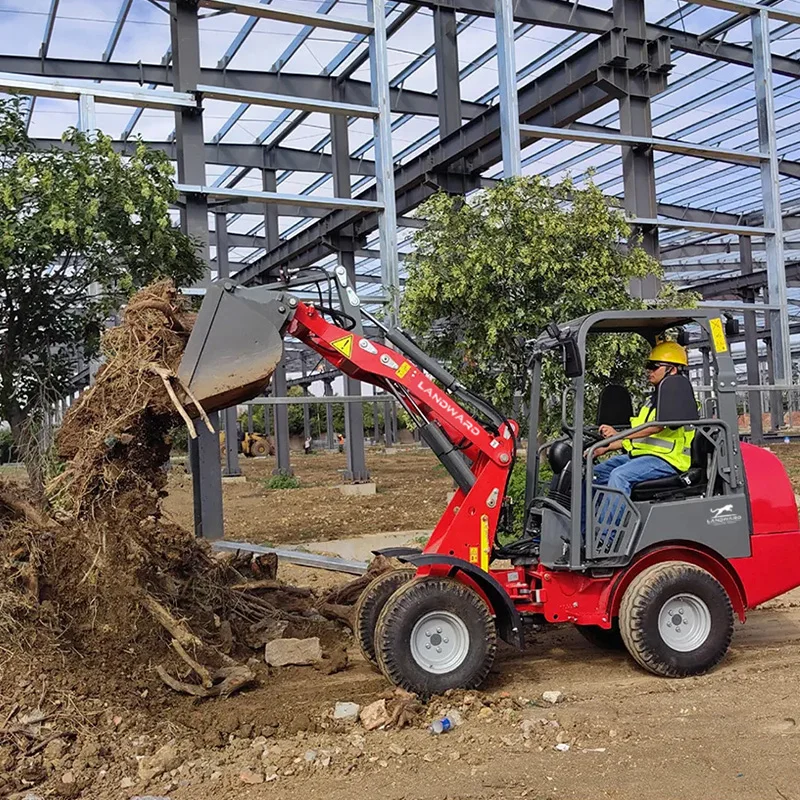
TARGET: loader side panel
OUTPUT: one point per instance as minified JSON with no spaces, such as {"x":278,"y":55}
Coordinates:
{"x":774,"y":566}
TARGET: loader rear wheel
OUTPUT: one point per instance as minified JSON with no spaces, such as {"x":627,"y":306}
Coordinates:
{"x":676,"y":620}
{"x":435,"y":634}
{"x":371,"y":603}
{"x":259,"y":449}
{"x":605,"y":639}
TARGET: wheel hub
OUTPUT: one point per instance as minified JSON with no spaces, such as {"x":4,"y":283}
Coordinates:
{"x":684,"y":622}
{"x":439,"y":642}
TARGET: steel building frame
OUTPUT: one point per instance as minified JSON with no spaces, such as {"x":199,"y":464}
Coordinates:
{"x":723,"y":233}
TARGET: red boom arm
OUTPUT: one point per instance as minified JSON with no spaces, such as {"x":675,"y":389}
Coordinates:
{"x":467,"y":528}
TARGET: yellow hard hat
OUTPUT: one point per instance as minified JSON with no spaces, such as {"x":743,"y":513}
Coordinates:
{"x":669,"y":353}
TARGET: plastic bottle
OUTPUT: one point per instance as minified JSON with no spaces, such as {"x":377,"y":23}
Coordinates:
{"x":786,"y":440}
{"x":440,"y":726}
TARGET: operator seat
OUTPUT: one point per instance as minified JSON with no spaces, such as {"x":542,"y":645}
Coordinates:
{"x":676,"y":401}
{"x":691,"y":483}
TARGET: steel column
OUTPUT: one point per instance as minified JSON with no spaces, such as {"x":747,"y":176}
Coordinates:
{"x":509,"y":101}
{"x":771,"y":191}
{"x":751,"y":343}
{"x":283,"y":464}
{"x":353,"y":412}
{"x":306,"y":406}
{"x":376,"y":426}
{"x":330,"y":433}
{"x":387,"y":423}
{"x":204,"y":451}
{"x":230,"y":467}
{"x":384,"y":162}
{"x":448,"y":89}
{"x":638,"y":166}
{"x":271,"y":228}
{"x":250,"y":418}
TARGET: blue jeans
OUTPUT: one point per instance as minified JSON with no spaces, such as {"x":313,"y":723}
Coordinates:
{"x":623,"y":472}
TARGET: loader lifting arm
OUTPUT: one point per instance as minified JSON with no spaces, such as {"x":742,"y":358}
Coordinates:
{"x":236,"y":344}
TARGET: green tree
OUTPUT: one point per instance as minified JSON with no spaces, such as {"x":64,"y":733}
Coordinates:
{"x":80,"y":228}
{"x":491,"y":271}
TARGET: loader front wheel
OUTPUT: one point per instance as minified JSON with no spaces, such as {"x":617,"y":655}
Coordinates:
{"x":371,"y":603}
{"x":435,"y":634}
{"x":676,"y":620}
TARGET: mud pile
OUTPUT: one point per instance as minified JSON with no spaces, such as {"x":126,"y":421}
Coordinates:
{"x":100,"y":588}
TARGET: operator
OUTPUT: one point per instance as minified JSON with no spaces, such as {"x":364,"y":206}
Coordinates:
{"x":653,"y":452}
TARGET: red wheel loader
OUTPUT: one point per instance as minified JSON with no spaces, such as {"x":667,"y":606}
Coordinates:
{"x":664,"y":575}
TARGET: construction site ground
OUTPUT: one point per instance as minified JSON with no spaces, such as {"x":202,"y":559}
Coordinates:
{"x":617,"y":732}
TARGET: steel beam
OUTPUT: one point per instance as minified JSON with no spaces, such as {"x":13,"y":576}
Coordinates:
{"x":560,"y":96}
{"x":330,"y":433}
{"x":751,"y":344}
{"x":448,"y":88}
{"x":645,"y":142}
{"x":204,"y":450}
{"x":573,"y":16}
{"x":116,"y":31}
{"x":722,"y":230}
{"x":283,"y":464}
{"x":143,"y":98}
{"x":230,"y":467}
{"x":507,"y":76}
{"x":299,"y":200}
{"x":319,"y":87}
{"x":740,"y":7}
{"x":353,"y":412}
{"x":253,"y":9}
{"x":771,"y":196}
{"x":284,"y":101}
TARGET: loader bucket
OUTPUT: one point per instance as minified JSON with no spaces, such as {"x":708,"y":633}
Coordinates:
{"x":235,"y":345}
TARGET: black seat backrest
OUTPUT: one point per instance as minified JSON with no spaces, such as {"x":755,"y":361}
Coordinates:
{"x":615,"y":407}
{"x":701,"y":449}
{"x":676,"y":400}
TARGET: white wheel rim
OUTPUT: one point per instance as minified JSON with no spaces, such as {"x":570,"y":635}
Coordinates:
{"x":439,"y":642}
{"x":684,"y":622}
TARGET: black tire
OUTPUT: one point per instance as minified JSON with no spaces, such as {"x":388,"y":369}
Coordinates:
{"x":371,"y":603}
{"x":605,"y":639}
{"x":259,"y":449}
{"x":411,"y":604}
{"x":641,"y":608}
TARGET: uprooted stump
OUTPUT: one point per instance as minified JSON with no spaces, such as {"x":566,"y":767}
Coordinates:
{"x":112,"y":574}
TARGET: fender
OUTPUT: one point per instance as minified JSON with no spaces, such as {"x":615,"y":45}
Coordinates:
{"x":692,"y":554}
{"x":509,"y":621}
{"x":396,"y":552}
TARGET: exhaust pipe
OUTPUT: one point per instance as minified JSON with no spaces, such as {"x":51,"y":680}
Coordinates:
{"x":236,"y":344}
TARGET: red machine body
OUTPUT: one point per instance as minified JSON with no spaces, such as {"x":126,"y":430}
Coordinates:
{"x":462,"y":542}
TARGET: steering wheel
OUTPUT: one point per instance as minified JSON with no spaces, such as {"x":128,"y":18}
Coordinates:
{"x":591,"y":433}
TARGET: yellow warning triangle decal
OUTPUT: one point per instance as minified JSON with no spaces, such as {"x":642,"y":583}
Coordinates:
{"x":344,"y":345}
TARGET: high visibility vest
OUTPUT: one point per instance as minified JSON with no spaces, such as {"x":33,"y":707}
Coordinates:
{"x":671,"y":444}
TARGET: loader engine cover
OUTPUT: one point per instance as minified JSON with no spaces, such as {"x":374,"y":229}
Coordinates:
{"x":235,"y":345}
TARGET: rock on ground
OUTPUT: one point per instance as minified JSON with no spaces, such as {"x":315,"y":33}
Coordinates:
{"x":346,"y":712}
{"x":294,"y":652}
{"x":374,"y":715}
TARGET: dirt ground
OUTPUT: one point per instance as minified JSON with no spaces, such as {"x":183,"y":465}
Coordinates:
{"x":731,"y":734}
{"x":411,"y":494}
{"x":622,"y":733}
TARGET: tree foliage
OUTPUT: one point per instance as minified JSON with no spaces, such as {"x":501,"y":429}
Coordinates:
{"x":492,"y":271}
{"x":80,"y":228}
